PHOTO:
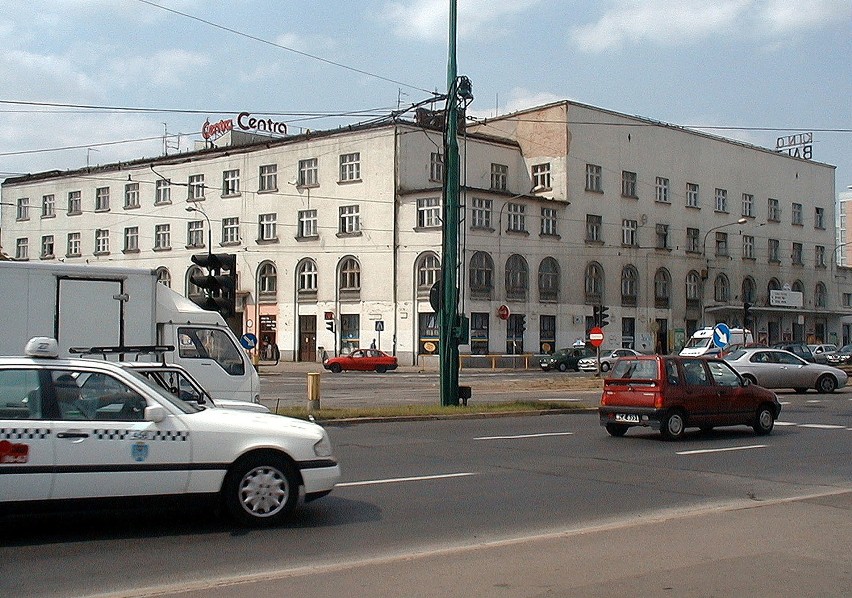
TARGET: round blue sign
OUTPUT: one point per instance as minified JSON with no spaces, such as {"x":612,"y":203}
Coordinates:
{"x":721,"y":335}
{"x":248,"y":341}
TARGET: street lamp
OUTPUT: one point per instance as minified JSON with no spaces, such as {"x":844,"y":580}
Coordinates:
{"x":209,"y":226}
{"x":704,"y":244}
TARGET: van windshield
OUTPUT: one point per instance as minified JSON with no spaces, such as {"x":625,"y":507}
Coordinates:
{"x":698,"y":343}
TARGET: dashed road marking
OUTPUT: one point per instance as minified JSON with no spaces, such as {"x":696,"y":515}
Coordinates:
{"x":419,"y":478}
{"x":722,"y":450}
{"x":519,"y":436}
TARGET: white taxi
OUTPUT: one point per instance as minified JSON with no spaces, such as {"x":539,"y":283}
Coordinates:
{"x":89,"y":429}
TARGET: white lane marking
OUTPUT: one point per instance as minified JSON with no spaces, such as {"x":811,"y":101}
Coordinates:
{"x":524,"y":436}
{"x":814,"y":401}
{"x":722,"y":450}
{"x":822,"y":426}
{"x":420,"y":478}
{"x":786,"y":424}
{"x":786,"y":402}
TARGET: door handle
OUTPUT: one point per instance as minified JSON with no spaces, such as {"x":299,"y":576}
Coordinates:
{"x":72,"y":435}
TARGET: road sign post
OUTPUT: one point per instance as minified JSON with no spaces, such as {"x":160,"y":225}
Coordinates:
{"x":596,"y":338}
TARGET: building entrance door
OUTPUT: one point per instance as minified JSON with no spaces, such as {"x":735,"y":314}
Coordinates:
{"x":307,"y":338}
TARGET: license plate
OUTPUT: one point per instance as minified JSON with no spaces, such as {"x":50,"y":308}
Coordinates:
{"x":627,"y":418}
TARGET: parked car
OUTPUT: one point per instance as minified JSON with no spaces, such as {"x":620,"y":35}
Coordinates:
{"x":821,"y":352}
{"x":842,"y":356}
{"x":673,"y":393}
{"x":566,"y":359}
{"x":800,"y":349}
{"x":590,"y":364}
{"x":84,"y":429}
{"x":776,"y":368}
{"x":363,"y":360}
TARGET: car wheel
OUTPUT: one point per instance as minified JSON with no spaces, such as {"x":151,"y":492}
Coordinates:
{"x":335,"y":368}
{"x":604,"y":366}
{"x":826,"y":384}
{"x":616,"y":430}
{"x":750,"y":378}
{"x":673,"y":425}
{"x":261,"y":490}
{"x":380,"y":369}
{"x":765,"y":420}
{"x":562,"y":367}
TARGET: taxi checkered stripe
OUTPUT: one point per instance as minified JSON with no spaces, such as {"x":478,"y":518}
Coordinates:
{"x":160,"y":435}
{"x":23,"y":433}
{"x":169,"y":435}
{"x":110,"y":434}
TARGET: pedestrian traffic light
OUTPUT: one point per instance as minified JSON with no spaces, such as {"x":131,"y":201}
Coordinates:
{"x":746,"y":313}
{"x":603,"y":310}
{"x":329,"y":325}
{"x":218,"y":284}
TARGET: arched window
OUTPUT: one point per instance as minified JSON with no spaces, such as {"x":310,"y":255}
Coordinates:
{"x":306,"y":275}
{"x":267,"y":280}
{"x":749,"y":293}
{"x":629,"y":285}
{"x":594,"y":283}
{"x":662,"y":288}
{"x":517,"y":278}
{"x":350,"y":275}
{"x":193,"y":291}
{"x":773,"y":285}
{"x":798,"y":287}
{"x":721,"y":289}
{"x":693,"y":288}
{"x":819,"y":295}
{"x":164,"y":277}
{"x":481,"y":275}
{"x":428,"y":271}
{"x":548,"y":280}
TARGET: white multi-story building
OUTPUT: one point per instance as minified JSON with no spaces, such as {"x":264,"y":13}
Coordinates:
{"x":566,"y":206}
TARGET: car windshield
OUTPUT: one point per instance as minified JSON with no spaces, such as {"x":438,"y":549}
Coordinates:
{"x":734,"y":355}
{"x":164,"y":394}
{"x":697,"y":343}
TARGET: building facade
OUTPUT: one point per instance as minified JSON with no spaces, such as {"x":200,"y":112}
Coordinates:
{"x":566,"y":206}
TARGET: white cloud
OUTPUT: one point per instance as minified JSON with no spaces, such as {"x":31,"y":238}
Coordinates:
{"x":162,"y":69}
{"x":429,"y":19}
{"x":519,"y":99}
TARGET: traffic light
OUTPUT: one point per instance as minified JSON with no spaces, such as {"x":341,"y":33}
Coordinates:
{"x":596,"y":315}
{"x":329,"y":321}
{"x":746,"y":313}
{"x":523,"y":324}
{"x":219,"y":284}
{"x":603,"y":312}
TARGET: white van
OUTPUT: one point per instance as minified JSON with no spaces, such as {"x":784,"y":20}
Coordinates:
{"x":701,"y":341}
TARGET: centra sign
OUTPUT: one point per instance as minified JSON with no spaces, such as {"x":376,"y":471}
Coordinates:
{"x":246,"y":122}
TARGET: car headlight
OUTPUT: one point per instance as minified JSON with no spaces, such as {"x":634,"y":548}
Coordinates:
{"x":322,"y":447}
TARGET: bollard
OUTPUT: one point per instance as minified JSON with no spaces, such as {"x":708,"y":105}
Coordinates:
{"x":313,"y":392}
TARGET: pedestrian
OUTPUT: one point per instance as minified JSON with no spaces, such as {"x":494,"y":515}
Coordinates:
{"x":373,"y":344}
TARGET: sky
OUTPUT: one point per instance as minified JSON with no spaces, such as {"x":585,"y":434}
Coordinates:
{"x":97,"y":81}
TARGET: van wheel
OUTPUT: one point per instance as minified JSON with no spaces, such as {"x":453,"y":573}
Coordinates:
{"x":260,"y":490}
{"x":616,"y":430}
{"x":826,"y":384}
{"x":765,"y":420}
{"x":673,"y":425}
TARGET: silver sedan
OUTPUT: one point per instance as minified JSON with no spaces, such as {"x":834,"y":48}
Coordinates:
{"x":590,"y":364}
{"x":775,"y":368}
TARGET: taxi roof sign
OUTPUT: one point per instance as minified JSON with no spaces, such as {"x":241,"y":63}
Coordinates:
{"x":42,"y":346}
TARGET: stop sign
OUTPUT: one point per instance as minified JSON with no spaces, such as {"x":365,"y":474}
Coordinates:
{"x":596,"y":336}
{"x":503,"y":312}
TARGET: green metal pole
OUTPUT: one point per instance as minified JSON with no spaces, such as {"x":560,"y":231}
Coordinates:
{"x":448,"y":315}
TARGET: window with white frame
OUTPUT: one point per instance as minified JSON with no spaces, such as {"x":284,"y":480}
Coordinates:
{"x":748,"y":247}
{"x":428,"y":271}
{"x":268,"y":178}
{"x":481,"y":213}
{"x":195,"y":233}
{"x":75,"y":202}
{"x":350,"y":275}
{"x":541,"y":176}
{"x":661,"y":190}
{"x":692,"y":242}
{"x":163,"y":236}
{"x":748,"y":205}
{"x":22,"y":208}
{"x":436,"y":167}
{"x":516,"y":217}
{"x":230,"y":231}
{"x":47,"y":247}
{"x":481,"y":275}
{"x":230,"y":183}
{"x":594,"y":282}
{"x":819,"y":256}
{"x":796,"y":214}
{"x":101,"y":241}
{"x":307,"y":275}
{"x":102,"y":199}
{"x":721,"y":200}
{"x":663,"y":236}
{"x":131,"y":239}
{"x":819,"y":218}
{"x":164,"y":277}
{"x":162,"y":192}
{"x":350,"y":167}
{"x":131,"y":195}
{"x":628,"y":184}
{"x":796,"y":255}
{"x":722,"y":289}
{"x":308,"y":224}
{"x":594,"y":228}
{"x":773,"y":212}
{"x":22,"y":248}
{"x":693,"y":287}
{"x":774,"y":250}
{"x":629,"y":285}
{"x":267,"y":228}
{"x":692,"y":200}
{"x":499,"y":177}
{"x":195,"y":187}
{"x":549,"y":222}
{"x":73,"y":249}
{"x":594,"y":178}
{"x":429,"y":212}
{"x":350,"y":220}
{"x":267,"y":280}
{"x":630,"y":232}
{"x":48,"y":206}
{"x":308,"y":173}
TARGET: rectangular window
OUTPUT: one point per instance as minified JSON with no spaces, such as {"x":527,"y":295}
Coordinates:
{"x":101,"y":241}
{"x":429,"y":212}
{"x":102,"y":199}
{"x":796,"y":215}
{"x":748,"y":247}
{"x":692,"y":241}
{"x":436,"y":167}
{"x":163,"y":193}
{"x":75,"y":203}
{"x":350,"y":220}
{"x":22,"y":249}
{"x":548,"y":222}
{"x":74,"y":249}
{"x":819,"y":256}
{"x":773,"y":210}
{"x":748,"y":205}
{"x":230,"y":183}
{"x":268,"y":227}
{"x":47,"y":247}
{"x":819,"y":218}
{"x":350,"y":167}
{"x":594,"y":178}
{"x":163,"y":236}
{"x":499,"y":177}
{"x":131,"y":195}
{"x":307,"y":223}
{"x":48,"y":206}
{"x":22,"y":208}
{"x":721,"y":200}
{"x":628,"y":184}
{"x":662,"y":236}
{"x":481,"y":213}
{"x":661,"y":190}
{"x":230,"y":231}
{"x":692,"y":195}
{"x":195,"y":233}
{"x":308,"y":173}
{"x":268,"y":177}
{"x":479,"y":333}
{"x":774,"y":250}
{"x":546,"y":333}
{"x":516,"y":217}
{"x":594,"y":228}
{"x":131,"y":239}
{"x":721,"y":243}
{"x":195,"y":189}
{"x":796,"y":256}
{"x":541,"y":176}
{"x":350,"y":332}
{"x":629,"y":232}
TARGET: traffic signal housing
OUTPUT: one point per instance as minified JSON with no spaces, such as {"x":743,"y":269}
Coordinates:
{"x":746,"y":313}
{"x":596,"y":315}
{"x":603,"y":315}
{"x":218,"y":284}
{"x":329,"y":321}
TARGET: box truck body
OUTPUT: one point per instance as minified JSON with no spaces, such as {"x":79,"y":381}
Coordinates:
{"x":85,"y":306}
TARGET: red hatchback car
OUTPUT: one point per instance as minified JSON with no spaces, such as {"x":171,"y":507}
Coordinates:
{"x":365,"y":360}
{"x":670,"y":394}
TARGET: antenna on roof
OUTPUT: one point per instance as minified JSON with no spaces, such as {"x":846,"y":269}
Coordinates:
{"x":173,"y":144}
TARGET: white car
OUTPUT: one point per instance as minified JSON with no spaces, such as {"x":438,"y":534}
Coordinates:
{"x":86,"y":429}
{"x":590,"y":364}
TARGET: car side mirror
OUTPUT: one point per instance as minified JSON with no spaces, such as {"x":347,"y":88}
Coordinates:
{"x":155,"y":413}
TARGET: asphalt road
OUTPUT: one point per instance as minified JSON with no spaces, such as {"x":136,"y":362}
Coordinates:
{"x":414,"y":490}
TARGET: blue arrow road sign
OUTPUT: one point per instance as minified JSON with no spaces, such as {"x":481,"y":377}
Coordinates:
{"x":721,"y":335}
{"x":248,"y":341}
